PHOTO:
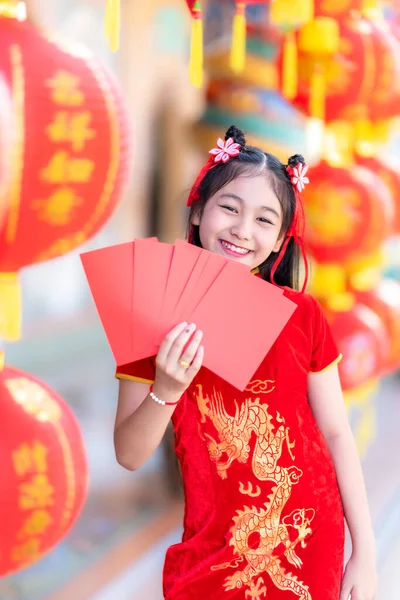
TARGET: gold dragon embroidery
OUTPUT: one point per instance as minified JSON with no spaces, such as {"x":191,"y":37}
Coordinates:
{"x":257,"y":532}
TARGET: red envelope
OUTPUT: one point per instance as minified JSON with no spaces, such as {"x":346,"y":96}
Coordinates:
{"x":152,"y":262}
{"x":109,"y":272}
{"x":183,"y":262}
{"x":142,"y":287}
{"x":196,"y":290}
{"x":241,"y":317}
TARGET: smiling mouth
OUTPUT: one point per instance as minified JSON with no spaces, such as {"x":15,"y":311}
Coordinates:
{"x":233,"y":249}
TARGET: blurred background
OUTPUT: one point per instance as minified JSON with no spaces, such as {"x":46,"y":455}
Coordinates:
{"x":104,"y":124}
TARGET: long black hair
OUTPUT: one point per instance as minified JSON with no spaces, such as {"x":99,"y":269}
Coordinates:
{"x":250,"y":162}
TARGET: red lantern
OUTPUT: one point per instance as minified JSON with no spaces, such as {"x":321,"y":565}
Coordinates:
{"x":391,"y":177}
{"x":348,"y":213}
{"x":384,"y":300}
{"x":337,"y":9}
{"x":44,"y":478}
{"x":384,"y":102}
{"x":5,"y":137}
{"x":70,"y":151}
{"x":363,"y":342}
{"x":336,"y":76}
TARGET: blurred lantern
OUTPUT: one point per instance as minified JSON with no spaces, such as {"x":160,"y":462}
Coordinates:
{"x":69,"y":153}
{"x":348,"y":213}
{"x":337,"y":10}
{"x":384,"y":102}
{"x":391,"y":177}
{"x":362,"y":339}
{"x":384,"y":300}
{"x":6,"y":125}
{"x":44,"y":476}
{"x":337,"y":68}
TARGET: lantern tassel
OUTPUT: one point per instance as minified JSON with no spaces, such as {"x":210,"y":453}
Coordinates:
{"x":196,"y":48}
{"x":10,"y":307}
{"x":290,"y":64}
{"x":238,"y":48}
{"x":317,"y":93}
{"x":112,"y":22}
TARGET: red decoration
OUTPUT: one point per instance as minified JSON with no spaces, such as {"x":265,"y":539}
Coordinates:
{"x":335,"y":9}
{"x":349,"y":76}
{"x":348,"y":213}
{"x":44,"y":479}
{"x":384,"y":102}
{"x":70,"y":152}
{"x":70,"y":149}
{"x":5,"y":137}
{"x":391,"y":176}
{"x":363,"y":342}
{"x":384,"y":300}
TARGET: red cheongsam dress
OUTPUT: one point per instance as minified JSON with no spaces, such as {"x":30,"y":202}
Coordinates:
{"x":263,"y":513}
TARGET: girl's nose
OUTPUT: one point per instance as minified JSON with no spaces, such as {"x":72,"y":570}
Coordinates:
{"x":242,"y":229}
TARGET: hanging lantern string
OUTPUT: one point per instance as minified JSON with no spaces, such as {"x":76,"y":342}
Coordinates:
{"x":112,"y":23}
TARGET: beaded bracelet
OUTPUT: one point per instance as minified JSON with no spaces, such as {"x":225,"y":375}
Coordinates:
{"x":159,"y":401}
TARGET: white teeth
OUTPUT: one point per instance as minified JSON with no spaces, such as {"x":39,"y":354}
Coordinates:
{"x":235,"y":248}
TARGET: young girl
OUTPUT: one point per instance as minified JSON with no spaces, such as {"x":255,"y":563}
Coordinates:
{"x":268,"y":473}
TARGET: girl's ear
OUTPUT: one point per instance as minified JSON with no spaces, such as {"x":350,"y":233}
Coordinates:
{"x":195,"y":219}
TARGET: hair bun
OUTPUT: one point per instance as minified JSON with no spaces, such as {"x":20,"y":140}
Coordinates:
{"x":237,"y":135}
{"x":295,"y":160}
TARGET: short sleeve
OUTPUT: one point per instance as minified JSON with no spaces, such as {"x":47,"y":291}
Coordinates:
{"x":142,"y":371}
{"x":325,"y":353}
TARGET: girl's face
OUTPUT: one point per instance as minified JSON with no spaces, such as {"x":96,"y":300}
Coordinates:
{"x":242,"y":221}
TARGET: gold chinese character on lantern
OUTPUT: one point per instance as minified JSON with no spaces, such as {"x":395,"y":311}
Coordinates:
{"x":26,"y":551}
{"x":63,"y":169}
{"x":65,"y":90}
{"x":36,"y":524}
{"x":36,"y":493}
{"x":73,"y":128}
{"x":57,"y":209}
{"x":30,"y":459}
{"x":62,"y":246}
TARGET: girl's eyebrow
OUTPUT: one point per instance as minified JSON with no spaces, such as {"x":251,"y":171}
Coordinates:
{"x":239,"y":199}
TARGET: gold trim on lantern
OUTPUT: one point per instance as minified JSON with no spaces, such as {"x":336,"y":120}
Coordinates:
{"x":10,"y":307}
{"x":69,"y":475}
{"x":113,"y":167}
{"x":18,"y":95}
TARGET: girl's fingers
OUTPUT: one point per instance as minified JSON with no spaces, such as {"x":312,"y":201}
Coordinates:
{"x":168,"y":341}
{"x":196,"y":363}
{"x":177,"y":347}
{"x":190,"y":352}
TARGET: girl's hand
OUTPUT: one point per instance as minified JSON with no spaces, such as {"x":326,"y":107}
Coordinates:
{"x":360,"y":579}
{"x":172,"y":376}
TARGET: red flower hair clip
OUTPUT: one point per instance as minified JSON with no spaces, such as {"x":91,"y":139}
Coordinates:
{"x":225,"y":150}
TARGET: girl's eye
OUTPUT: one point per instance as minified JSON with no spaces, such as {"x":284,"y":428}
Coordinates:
{"x":264,"y":220}
{"x":230,"y":208}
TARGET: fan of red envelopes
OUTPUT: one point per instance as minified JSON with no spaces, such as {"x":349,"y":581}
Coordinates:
{"x":142,"y":289}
